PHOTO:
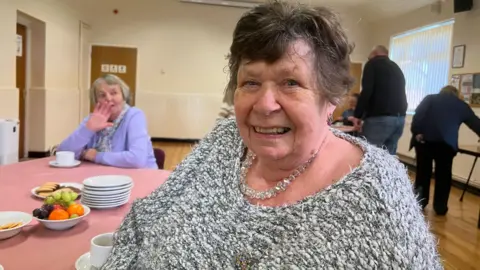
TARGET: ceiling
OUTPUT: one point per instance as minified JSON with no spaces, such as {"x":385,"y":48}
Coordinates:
{"x":371,"y":10}
{"x":374,"y":9}
{"x":377,"y":9}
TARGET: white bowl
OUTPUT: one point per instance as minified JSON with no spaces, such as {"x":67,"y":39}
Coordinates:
{"x":60,"y":225}
{"x":12,"y":216}
{"x":108,"y":181}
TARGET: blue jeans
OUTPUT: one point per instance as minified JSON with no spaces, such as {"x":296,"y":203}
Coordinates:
{"x":384,"y":131}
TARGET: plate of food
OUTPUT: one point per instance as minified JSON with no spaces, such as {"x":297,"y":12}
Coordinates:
{"x":12,"y":222}
{"x":46,"y":189}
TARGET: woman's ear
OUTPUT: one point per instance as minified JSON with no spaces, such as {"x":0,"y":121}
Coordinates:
{"x":330,"y":108}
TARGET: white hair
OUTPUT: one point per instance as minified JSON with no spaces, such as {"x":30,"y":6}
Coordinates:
{"x":110,"y":79}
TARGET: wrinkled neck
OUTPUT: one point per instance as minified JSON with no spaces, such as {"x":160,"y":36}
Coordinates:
{"x":275,"y":170}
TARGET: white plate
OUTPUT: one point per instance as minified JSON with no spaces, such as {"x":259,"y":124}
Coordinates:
{"x":106,"y":206}
{"x":107,"y":198}
{"x":66,"y":184}
{"x":13,"y":216}
{"x":1,"y":267}
{"x":105,"y":203}
{"x":83,"y":262}
{"x":102,"y":189}
{"x":53,"y":163}
{"x":106,"y":193}
{"x":103,"y":181}
{"x":101,"y":195}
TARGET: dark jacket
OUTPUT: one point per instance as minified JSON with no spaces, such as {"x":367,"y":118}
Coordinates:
{"x":383,"y":89}
{"x":438,"y":118}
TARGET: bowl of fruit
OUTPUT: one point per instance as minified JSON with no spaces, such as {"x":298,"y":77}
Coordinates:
{"x":60,"y":211}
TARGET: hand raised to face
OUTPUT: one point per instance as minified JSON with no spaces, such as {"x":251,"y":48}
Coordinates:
{"x":99,"y":117}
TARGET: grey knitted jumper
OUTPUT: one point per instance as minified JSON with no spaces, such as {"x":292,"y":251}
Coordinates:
{"x":198,"y":219}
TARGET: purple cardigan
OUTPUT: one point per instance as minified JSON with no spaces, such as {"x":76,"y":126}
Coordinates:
{"x":131,"y":144}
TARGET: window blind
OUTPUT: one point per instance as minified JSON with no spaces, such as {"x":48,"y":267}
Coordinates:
{"x":424,"y":57}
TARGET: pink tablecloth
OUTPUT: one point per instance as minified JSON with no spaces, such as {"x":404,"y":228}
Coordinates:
{"x":39,"y":248}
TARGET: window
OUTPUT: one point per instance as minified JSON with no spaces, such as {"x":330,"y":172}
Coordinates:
{"x":424,"y":57}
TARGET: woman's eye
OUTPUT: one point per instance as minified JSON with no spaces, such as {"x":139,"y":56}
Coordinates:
{"x":250,"y":85}
{"x":292,"y":83}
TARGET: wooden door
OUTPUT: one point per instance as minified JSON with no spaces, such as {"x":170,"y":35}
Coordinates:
{"x":356,"y":72}
{"x":119,"y":61}
{"x":21,"y":75}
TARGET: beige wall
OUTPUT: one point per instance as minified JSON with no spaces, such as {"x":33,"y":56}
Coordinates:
{"x":53,"y":94}
{"x":181,"y":62}
{"x":465,"y":29}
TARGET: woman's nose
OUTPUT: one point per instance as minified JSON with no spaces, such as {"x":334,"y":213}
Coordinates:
{"x":267,"y":102}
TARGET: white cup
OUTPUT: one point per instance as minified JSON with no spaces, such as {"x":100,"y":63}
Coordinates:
{"x":100,"y":248}
{"x":65,"y":157}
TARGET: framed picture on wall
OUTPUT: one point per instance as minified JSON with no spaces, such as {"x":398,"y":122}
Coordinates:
{"x":458,"y":56}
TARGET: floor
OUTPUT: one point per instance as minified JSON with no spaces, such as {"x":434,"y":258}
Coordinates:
{"x":457,"y":233}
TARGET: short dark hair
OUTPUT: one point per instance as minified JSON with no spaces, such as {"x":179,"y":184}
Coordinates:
{"x":267,"y":31}
{"x":449,"y":89}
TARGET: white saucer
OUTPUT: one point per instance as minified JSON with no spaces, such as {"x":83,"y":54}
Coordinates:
{"x":83,"y":263}
{"x":1,"y":267}
{"x":54,"y":163}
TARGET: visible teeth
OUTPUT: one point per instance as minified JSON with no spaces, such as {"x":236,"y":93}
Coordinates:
{"x":271,"y":130}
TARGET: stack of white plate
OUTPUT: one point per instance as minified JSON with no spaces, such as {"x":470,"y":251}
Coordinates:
{"x":106,"y":191}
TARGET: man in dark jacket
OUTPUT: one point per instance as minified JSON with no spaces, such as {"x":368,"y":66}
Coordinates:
{"x":383,"y":102}
{"x":434,"y":129}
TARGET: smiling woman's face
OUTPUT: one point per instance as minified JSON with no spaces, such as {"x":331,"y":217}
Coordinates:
{"x":279,"y":111}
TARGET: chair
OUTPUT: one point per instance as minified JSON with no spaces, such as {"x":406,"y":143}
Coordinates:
{"x":160,"y":157}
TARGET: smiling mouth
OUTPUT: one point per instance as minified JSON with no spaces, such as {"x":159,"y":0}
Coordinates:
{"x":271,"y":131}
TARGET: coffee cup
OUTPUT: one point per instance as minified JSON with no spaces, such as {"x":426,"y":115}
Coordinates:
{"x":100,"y":248}
{"x":65,"y":157}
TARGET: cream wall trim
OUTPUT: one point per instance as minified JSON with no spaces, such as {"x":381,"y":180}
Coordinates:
{"x":180,"y":116}
{"x":38,"y":89}
{"x":114,"y":45}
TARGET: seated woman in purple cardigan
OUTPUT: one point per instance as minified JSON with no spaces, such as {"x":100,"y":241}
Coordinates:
{"x":115,"y":134}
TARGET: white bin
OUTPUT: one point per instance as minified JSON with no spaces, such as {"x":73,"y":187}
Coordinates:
{"x":9,"y":133}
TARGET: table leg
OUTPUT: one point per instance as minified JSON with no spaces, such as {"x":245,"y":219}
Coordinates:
{"x":468,"y":180}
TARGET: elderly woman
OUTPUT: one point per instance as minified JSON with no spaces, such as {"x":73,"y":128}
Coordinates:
{"x":274,"y":188}
{"x":115,"y":134}
{"x":434,"y":129}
